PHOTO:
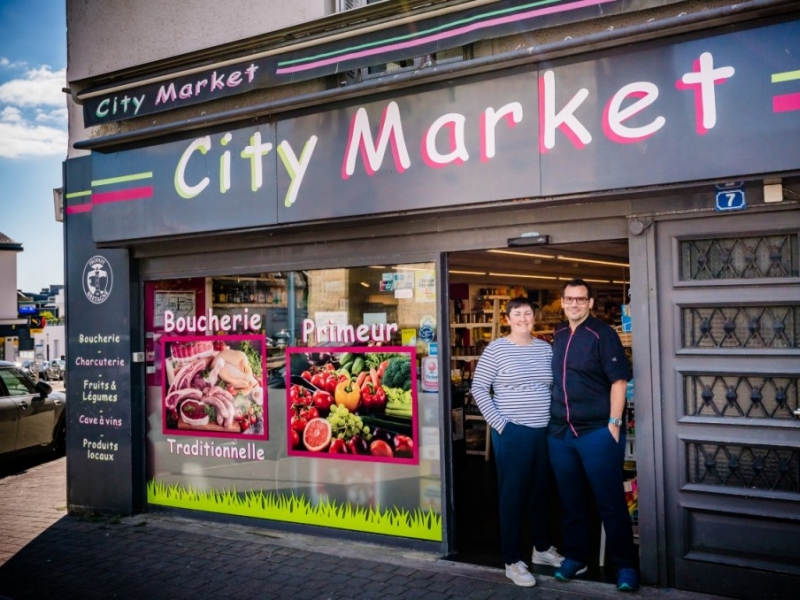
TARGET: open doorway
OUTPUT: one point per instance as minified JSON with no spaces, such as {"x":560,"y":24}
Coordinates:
{"x":480,"y":283}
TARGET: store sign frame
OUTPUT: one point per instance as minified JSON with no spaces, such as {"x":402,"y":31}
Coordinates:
{"x":652,"y":114}
{"x":119,"y":102}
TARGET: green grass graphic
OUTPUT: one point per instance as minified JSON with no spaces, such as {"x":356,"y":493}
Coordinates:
{"x":417,"y":524}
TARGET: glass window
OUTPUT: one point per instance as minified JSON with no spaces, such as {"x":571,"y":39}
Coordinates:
{"x":296,"y":389}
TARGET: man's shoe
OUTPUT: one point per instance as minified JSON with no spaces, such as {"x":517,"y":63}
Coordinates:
{"x":549,"y":557}
{"x":519,"y":574}
{"x":570,"y":569}
{"x":627,"y":580}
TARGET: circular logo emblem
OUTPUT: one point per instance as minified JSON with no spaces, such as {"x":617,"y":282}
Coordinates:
{"x":426,"y":333}
{"x":97,"y":279}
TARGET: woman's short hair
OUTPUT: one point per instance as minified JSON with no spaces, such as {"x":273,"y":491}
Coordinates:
{"x":518,"y":302}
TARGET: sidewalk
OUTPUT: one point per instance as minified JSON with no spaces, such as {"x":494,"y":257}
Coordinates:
{"x":44,"y":553}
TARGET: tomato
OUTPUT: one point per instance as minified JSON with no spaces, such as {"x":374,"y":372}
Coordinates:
{"x":337,"y":447}
{"x":322,"y":400}
{"x":331,"y":382}
{"x":299,"y":394}
{"x":299,"y":423}
{"x":318,"y":380}
{"x":306,"y":375}
{"x":348,"y":395}
{"x":311,"y":413}
{"x":295,"y":440}
{"x":380,"y":448}
{"x":329,"y":367}
{"x":403,"y":446}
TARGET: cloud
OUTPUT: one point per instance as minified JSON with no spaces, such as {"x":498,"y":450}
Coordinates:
{"x":38,"y":87}
{"x":4,"y":62}
{"x":10,"y":114}
{"x":33,"y":114}
{"x":58,"y":115}
{"x":20,"y":139}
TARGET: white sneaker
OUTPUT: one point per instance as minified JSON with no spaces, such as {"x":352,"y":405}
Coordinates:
{"x":519,"y":574}
{"x":549,"y":557}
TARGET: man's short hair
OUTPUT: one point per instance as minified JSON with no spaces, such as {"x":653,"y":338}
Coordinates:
{"x":576,"y":283}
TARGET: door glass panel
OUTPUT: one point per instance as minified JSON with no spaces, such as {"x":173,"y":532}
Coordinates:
{"x":733,"y":396}
{"x":741,"y":466}
{"x":741,"y":327}
{"x":739,"y":258}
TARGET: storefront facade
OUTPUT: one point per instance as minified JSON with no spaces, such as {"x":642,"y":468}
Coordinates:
{"x":247,"y":263}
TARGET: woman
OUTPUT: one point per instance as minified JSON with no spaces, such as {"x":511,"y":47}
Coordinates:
{"x":511,"y":386}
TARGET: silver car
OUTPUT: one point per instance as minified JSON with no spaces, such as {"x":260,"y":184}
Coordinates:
{"x":32,"y":416}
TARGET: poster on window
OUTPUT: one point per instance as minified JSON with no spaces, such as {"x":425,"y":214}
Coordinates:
{"x":352,"y":403}
{"x":214,"y":386}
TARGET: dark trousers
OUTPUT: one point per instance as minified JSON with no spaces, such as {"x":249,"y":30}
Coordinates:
{"x":524,"y":484}
{"x":593,"y":461}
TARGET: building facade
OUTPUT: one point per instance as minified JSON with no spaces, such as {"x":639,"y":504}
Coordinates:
{"x":266,"y":206}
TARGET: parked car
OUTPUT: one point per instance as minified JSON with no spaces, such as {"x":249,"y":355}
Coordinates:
{"x":32,"y":415}
{"x":57,"y":368}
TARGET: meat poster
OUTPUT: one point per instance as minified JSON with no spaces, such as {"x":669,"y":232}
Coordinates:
{"x":214,"y":386}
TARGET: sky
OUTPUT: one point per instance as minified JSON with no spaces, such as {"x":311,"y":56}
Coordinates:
{"x":33,"y":135}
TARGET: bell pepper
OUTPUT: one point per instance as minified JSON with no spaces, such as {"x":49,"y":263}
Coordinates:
{"x":373,"y":398}
{"x":348,"y":395}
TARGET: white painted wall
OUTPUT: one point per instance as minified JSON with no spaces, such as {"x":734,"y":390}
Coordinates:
{"x":8,"y":284}
{"x":51,"y":343}
{"x":104,"y":36}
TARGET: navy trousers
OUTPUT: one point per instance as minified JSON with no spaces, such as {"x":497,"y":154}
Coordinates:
{"x":593,"y":461}
{"x":524,"y":485}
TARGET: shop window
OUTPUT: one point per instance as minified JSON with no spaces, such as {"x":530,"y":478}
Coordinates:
{"x":301,"y":389}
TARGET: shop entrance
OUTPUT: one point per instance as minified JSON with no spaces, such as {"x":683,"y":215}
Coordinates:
{"x":480,"y":283}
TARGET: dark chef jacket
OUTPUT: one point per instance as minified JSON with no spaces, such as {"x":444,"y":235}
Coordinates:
{"x":585,"y":364}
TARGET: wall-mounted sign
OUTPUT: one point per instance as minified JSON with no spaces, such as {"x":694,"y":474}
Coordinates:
{"x":424,"y":37}
{"x":730,"y":196}
{"x":558,"y":128}
{"x":28,"y":309}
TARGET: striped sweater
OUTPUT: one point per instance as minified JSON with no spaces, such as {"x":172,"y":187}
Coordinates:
{"x":520,"y":378}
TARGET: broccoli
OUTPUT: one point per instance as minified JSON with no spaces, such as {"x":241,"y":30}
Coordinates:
{"x":398,"y":373}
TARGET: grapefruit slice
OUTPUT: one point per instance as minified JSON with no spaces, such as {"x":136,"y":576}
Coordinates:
{"x":317,"y":435}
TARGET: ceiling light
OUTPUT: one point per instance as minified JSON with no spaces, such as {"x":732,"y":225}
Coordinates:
{"x":377,"y":266}
{"x":467,"y":272}
{"x":526,"y":254}
{"x":621,"y":282}
{"x":597,"y":280}
{"x":592,"y":262}
{"x":521,"y":276}
{"x":412,"y":269}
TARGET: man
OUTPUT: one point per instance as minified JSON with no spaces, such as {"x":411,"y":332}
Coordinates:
{"x":586,"y":435}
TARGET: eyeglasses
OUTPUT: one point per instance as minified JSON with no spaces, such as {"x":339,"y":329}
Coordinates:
{"x":578,"y":301}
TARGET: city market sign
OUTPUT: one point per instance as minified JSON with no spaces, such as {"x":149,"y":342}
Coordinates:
{"x":652,"y":114}
{"x":416,"y":37}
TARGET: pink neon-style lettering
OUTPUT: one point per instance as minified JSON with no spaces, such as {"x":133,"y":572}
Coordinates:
{"x":702,"y":81}
{"x":489,"y":119}
{"x":360,"y":142}
{"x":565,"y":119}
{"x":458,"y":154}
{"x":614,"y":115}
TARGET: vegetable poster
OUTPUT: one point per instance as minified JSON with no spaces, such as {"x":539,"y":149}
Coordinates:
{"x":214,"y":386}
{"x":352,"y":403}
